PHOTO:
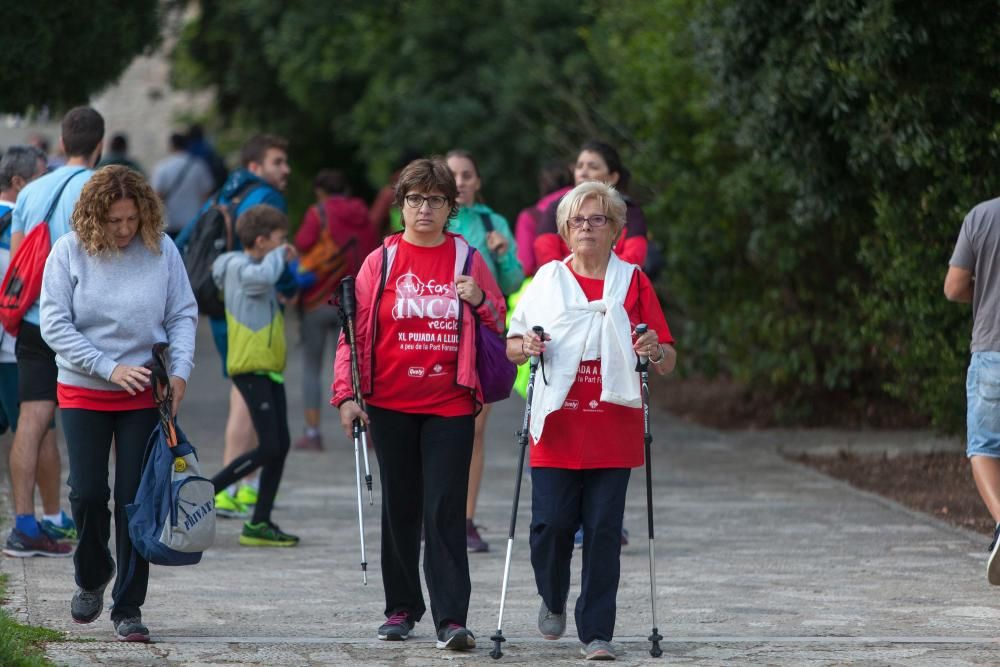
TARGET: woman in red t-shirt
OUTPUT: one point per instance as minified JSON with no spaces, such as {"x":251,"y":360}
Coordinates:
{"x":586,"y":430}
{"x":416,"y":353}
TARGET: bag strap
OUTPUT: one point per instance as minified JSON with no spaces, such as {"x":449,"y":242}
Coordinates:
{"x":55,"y":200}
{"x":5,"y":220}
{"x":179,"y":178}
{"x":487,"y":222}
{"x":323,"y":222}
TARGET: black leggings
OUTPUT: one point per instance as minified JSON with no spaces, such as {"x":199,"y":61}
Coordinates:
{"x":269,"y":412}
{"x":89,"y":434}
{"x":423,"y":465}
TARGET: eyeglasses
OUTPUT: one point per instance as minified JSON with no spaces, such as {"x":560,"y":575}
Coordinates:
{"x":576,"y":222}
{"x":434,"y":201}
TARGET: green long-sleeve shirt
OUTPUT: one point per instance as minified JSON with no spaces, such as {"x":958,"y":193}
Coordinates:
{"x":506,"y":268}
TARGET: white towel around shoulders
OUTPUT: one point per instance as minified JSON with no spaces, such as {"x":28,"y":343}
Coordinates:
{"x":581,"y":330}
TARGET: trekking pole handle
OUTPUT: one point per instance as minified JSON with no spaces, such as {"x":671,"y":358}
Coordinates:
{"x":640,"y":329}
{"x":348,"y":303}
{"x":540,"y":332}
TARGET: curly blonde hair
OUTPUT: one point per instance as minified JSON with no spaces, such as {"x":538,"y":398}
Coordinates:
{"x":107,"y":186}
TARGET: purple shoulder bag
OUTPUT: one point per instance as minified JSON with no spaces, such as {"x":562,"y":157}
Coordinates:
{"x":496,"y":372}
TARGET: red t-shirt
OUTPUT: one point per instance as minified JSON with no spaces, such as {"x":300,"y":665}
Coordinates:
{"x":103,"y":400}
{"x":416,"y":344}
{"x":586,"y":432}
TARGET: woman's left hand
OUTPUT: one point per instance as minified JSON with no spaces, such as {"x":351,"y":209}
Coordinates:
{"x":468,"y":290}
{"x":497,"y":243}
{"x":177,"y":387}
{"x":648,"y":345}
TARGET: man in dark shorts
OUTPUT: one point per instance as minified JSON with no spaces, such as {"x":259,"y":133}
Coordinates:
{"x":82,"y":139}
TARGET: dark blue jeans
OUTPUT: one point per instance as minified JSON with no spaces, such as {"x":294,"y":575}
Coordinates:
{"x":561,"y":501}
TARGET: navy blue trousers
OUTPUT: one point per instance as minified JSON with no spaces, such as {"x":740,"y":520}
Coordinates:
{"x":561,"y":501}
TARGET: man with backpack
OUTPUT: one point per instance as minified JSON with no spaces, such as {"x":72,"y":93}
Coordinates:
{"x":335,"y":237}
{"x":44,"y":206}
{"x":261,"y":180}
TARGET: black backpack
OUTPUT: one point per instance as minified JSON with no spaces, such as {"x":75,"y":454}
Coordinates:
{"x":212,"y":236}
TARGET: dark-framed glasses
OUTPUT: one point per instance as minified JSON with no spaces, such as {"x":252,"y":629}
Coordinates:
{"x":577,"y":221}
{"x":434,"y":201}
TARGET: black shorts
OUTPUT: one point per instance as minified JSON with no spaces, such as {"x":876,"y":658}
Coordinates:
{"x":36,"y":365}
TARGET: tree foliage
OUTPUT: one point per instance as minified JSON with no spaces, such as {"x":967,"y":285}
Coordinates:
{"x":882,"y":119}
{"x":806,"y":164}
{"x":59,"y":53}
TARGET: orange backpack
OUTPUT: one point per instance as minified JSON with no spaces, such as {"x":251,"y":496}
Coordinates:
{"x":326,"y":261}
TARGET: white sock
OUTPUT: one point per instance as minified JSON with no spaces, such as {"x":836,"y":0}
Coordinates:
{"x":312,"y":432}
{"x":253,"y":483}
{"x":232,"y":490}
{"x":57,"y":519}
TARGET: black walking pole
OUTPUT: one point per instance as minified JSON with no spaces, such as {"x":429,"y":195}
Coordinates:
{"x":522,"y":440}
{"x":642,"y":367}
{"x":348,"y":311}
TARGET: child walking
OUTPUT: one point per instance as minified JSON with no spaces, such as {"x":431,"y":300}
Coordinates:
{"x":256,"y":359}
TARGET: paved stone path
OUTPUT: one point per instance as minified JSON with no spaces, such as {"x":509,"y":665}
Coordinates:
{"x":760,"y":561}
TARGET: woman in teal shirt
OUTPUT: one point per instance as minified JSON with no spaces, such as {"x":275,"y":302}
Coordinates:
{"x":488,"y":232}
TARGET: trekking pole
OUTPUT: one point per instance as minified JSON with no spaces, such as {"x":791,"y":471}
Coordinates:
{"x":642,"y":367}
{"x":348,"y":309}
{"x":522,"y":440}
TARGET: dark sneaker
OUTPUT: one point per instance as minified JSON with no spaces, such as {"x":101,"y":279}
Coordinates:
{"x":396,"y":628}
{"x":131,"y":629}
{"x":473,"y":542}
{"x":598,"y":650}
{"x":66,"y":531}
{"x":266,"y":534}
{"x":309,"y":443}
{"x":993,"y":562}
{"x":552,"y":626}
{"x":20,"y":545}
{"x":455,"y":637}
{"x":87,"y":606}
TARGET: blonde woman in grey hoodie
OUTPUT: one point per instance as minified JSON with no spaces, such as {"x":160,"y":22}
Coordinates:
{"x":112,"y":288}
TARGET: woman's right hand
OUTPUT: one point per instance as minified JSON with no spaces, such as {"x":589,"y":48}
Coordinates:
{"x":132,"y":379}
{"x":349,"y":411}
{"x":532,"y":345}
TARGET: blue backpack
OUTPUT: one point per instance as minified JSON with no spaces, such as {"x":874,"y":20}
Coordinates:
{"x":172,"y":520}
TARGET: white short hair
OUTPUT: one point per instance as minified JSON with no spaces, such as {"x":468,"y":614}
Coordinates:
{"x":610,"y":200}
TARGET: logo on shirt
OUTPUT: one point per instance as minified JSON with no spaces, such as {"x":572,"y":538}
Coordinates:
{"x":437,"y":369}
{"x":416,"y":372}
{"x":571,"y":405}
{"x":593,"y":405}
{"x":431,"y":300}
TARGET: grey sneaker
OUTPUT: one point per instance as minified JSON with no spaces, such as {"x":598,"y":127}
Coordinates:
{"x":131,"y":629}
{"x":455,"y":637}
{"x":598,"y":650}
{"x":86,"y":606}
{"x":396,"y":628}
{"x":552,"y":626}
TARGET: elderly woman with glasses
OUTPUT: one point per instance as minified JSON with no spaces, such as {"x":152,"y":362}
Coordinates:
{"x":418,"y":298}
{"x":586,"y":420}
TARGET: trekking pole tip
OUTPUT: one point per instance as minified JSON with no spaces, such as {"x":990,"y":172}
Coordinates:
{"x":655,"y":649}
{"x":497,"y":638}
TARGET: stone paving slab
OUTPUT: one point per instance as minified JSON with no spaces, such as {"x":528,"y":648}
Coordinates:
{"x":759,"y":561}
